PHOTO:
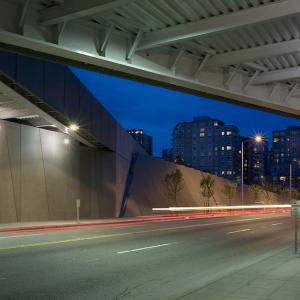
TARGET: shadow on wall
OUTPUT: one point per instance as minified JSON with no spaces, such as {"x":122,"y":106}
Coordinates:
{"x":147,"y":190}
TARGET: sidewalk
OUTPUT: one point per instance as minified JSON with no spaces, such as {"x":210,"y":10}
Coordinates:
{"x":8,"y":227}
{"x":275,"y":277}
{"x":43,"y":225}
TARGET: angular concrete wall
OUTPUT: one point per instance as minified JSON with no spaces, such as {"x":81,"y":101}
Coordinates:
{"x":39,"y":183}
{"x":58,"y":87}
{"x":42,"y":176}
{"x":147,"y":191}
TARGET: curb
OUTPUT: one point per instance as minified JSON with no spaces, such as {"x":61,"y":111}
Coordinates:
{"x":56,"y":226}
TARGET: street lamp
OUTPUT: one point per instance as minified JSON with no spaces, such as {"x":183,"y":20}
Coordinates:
{"x":73,"y":127}
{"x":258,"y":138}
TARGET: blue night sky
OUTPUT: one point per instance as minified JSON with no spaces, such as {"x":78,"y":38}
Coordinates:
{"x":157,"y":110}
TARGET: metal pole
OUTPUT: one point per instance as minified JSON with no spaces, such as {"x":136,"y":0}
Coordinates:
{"x":242,"y":173}
{"x":296,"y":234}
{"x":290,"y":183}
{"x":77,"y":214}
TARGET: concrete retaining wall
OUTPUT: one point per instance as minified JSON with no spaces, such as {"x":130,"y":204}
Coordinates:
{"x":147,"y":190}
{"x":42,"y":176}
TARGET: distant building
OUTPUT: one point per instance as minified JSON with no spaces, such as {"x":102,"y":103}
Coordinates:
{"x":257,"y":161}
{"x":286,"y":151}
{"x":143,"y":139}
{"x":209,"y":145}
{"x":167,"y":154}
{"x":245,"y":141}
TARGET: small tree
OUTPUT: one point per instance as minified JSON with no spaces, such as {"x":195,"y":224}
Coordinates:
{"x":267,"y":189}
{"x":207,"y":184}
{"x":173,"y":183}
{"x":294,"y":195}
{"x":283,"y":193}
{"x":229,"y":190}
{"x":255,"y":189}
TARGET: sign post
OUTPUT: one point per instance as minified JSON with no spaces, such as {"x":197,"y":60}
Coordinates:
{"x":295,"y":211}
{"x":77,"y":209}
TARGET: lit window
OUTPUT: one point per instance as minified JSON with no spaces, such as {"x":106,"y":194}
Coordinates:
{"x":222,"y":148}
{"x":223,"y":133}
{"x":216,"y":123}
{"x":202,"y":134}
{"x":276,"y":140}
{"x":283,"y":178}
{"x":223,"y":172}
{"x":229,"y":172}
{"x":202,"y":129}
{"x":228,"y":148}
{"x":228,"y":132}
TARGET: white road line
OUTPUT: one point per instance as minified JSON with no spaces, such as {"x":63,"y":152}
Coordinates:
{"x":242,"y":230}
{"x":275,"y":224}
{"x":145,"y":248}
{"x":18,"y":236}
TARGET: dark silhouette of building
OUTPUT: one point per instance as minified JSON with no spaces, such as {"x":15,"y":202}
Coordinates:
{"x":285,"y":152}
{"x":143,"y":139}
{"x":209,"y":145}
{"x":167,"y":154}
{"x":257,"y":161}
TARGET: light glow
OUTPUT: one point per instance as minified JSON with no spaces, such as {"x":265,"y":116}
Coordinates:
{"x":74,"y":127}
{"x":258,"y":138}
{"x":204,"y":208}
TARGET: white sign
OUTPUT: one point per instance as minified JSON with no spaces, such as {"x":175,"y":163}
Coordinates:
{"x":77,"y":202}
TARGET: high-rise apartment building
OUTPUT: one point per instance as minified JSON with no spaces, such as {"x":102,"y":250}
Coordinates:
{"x":209,"y":145}
{"x":143,"y":139}
{"x":286,"y":152}
{"x":257,"y":160}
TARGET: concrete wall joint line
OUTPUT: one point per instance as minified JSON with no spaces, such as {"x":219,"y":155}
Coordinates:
{"x":11,"y":175}
{"x":44,"y":172}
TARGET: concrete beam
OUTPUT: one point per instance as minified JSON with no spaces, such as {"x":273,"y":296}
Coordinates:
{"x":160,"y":77}
{"x":71,"y":10}
{"x":278,"y":75}
{"x":252,"y":54}
{"x":220,"y":23}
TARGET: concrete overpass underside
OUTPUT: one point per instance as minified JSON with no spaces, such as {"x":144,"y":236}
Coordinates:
{"x":243,"y":51}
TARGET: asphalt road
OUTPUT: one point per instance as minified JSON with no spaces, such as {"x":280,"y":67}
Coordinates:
{"x":167,"y":260}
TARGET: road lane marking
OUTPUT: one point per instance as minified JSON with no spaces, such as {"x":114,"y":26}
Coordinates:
{"x":39,"y":244}
{"x":237,"y":231}
{"x":275,"y":224}
{"x":19,"y":236}
{"x":144,"y":248}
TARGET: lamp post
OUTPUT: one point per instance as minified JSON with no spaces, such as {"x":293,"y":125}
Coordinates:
{"x":290,"y":188}
{"x":257,"y":139}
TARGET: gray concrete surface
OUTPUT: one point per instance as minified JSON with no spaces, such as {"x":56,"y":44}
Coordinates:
{"x":147,"y":190}
{"x":41,"y":176}
{"x":245,"y":257}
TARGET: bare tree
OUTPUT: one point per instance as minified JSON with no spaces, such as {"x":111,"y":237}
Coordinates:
{"x":283,"y":193}
{"x":255,"y":189}
{"x":294,"y":195}
{"x":173,"y":183}
{"x":229,"y":190}
{"x":267,"y":190}
{"x":207,"y":184}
